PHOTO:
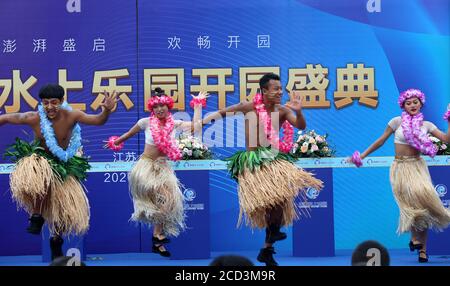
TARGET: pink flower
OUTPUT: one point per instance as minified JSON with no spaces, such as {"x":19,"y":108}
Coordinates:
{"x":356,"y":159}
{"x":304,"y":149}
{"x":197,"y":101}
{"x":112,"y":145}
{"x":447,"y":115}
{"x":314,"y":148}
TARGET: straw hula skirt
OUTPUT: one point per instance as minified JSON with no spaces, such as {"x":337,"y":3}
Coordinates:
{"x":419,"y":204}
{"x":157,"y":196}
{"x":41,"y":181}
{"x":266,"y":181}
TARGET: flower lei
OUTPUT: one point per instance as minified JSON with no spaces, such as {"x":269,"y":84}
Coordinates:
{"x":50,"y":138}
{"x":415,"y":136}
{"x":163,"y":140}
{"x":286,"y":143}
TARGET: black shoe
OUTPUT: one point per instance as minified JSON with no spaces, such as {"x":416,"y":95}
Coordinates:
{"x":36,"y":223}
{"x":274,"y":234}
{"x":422,"y":259}
{"x":156,"y":249}
{"x":56,"y":243}
{"x":413,"y":246}
{"x":156,"y":240}
{"x":266,"y":256}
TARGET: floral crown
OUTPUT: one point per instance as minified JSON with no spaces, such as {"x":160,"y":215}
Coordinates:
{"x":410,"y":93}
{"x":163,"y":99}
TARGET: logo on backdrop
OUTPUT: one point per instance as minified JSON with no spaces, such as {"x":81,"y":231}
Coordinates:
{"x":312,"y":193}
{"x":73,"y":6}
{"x":441,"y":190}
{"x":373,"y":6}
{"x":189,"y":195}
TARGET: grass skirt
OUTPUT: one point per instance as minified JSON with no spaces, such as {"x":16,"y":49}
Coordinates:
{"x":419,"y":204}
{"x":62,"y":202}
{"x":266,"y":182}
{"x":157,"y":196}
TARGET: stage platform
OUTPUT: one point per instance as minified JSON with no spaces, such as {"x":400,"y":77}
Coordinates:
{"x":399,"y":257}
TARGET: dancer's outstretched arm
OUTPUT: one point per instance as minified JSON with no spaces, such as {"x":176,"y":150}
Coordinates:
{"x":441,"y":135}
{"x":196,"y":124}
{"x":356,"y":157}
{"x":107,"y":105}
{"x":230,"y":110}
{"x":127,"y":135}
{"x":24,"y":118}
{"x":378,"y":143}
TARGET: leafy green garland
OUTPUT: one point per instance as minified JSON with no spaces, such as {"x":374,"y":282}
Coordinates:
{"x":253,"y":160}
{"x":75,"y":166}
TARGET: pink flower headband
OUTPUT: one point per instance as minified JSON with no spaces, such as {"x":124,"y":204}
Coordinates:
{"x":410,"y":93}
{"x":155,"y":100}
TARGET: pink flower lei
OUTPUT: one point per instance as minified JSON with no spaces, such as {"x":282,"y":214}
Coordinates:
{"x":411,"y":125}
{"x":161,"y":133}
{"x":416,"y":137}
{"x":286,"y":143}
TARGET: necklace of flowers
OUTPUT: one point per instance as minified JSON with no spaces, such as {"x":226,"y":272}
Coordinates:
{"x":161,"y":133}
{"x":415,"y":136}
{"x":50,"y":138}
{"x":286,"y":143}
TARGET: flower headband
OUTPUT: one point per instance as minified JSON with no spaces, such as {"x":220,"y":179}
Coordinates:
{"x":410,"y":93}
{"x":155,"y":100}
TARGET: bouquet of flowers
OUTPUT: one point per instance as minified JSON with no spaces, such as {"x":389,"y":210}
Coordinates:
{"x":443,"y":149}
{"x":192,"y":148}
{"x":311,"y":144}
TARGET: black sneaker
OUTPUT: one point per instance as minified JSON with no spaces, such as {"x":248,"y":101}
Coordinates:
{"x":266,"y":256}
{"x":56,"y":243}
{"x":274,"y":234}
{"x":36,"y":223}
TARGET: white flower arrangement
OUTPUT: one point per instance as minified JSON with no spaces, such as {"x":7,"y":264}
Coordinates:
{"x":192,"y":148}
{"x":311,"y":144}
{"x":443,"y":149}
